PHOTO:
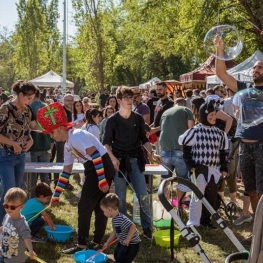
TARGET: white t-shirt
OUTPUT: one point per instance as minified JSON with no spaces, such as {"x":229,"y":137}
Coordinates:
{"x":93,"y":129}
{"x":80,"y":117}
{"x":78,"y":142}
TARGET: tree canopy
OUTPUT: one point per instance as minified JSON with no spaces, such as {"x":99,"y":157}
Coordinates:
{"x":125,"y":42}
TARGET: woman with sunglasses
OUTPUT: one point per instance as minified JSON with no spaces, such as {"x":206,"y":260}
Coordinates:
{"x":16,"y":121}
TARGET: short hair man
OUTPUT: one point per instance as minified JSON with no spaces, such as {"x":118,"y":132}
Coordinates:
{"x":139,"y":106}
{"x":189,"y":95}
{"x":103,"y":98}
{"x":251,"y":154}
{"x":152,"y":102}
{"x":124,"y":135}
{"x":164,"y":103}
{"x":219,"y":91}
{"x":174,"y":122}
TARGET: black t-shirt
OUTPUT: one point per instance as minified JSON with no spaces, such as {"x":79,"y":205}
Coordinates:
{"x":161,"y":107}
{"x":103,"y":98}
{"x":125,"y":136}
{"x":151,"y":104}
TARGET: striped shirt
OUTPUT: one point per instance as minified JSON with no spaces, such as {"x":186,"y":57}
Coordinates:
{"x":121,"y":225}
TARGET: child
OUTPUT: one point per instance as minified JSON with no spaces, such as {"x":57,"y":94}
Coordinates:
{"x":204,"y":148}
{"x":15,"y":230}
{"x":124,"y":230}
{"x":33,"y":207}
{"x":98,"y":170}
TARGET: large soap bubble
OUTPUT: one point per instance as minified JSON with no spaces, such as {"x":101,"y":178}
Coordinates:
{"x":249,"y":107}
{"x":230,"y":37}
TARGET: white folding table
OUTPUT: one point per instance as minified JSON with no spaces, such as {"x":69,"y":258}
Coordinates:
{"x":150,"y":170}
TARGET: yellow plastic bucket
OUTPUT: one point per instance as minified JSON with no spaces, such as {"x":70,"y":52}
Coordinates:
{"x":162,"y":237}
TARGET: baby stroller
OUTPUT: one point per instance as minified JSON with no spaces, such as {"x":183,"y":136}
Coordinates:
{"x":189,"y":232}
{"x":230,"y":208}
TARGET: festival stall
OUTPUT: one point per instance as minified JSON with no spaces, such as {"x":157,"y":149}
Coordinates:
{"x":196,"y":79}
{"x":147,"y":85}
{"x":51,"y":79}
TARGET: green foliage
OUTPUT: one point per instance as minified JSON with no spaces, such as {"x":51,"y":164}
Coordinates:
{"x":7,"y":48}
{"x":123,"y":42}
{"x":37,"y":38}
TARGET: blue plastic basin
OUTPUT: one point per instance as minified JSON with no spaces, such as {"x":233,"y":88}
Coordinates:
{"x":61,"y":234}
{"x":85,"y":257}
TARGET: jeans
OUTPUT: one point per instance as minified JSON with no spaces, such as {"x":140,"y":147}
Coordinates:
{"x":126,"y":254}
{"x":36,"y":225}
{"x":12,"y":168}
{"x":39,"y":157}
{"x":138,"y":181}
{"x":173,"y":159}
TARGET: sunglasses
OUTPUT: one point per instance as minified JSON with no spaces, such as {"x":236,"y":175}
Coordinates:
{"x":12,"y":207}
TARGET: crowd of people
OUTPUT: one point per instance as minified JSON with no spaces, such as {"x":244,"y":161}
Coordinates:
{"x":192,"y":131}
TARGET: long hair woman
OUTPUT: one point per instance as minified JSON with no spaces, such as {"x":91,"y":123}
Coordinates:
{"x":16,"y":120}
{"x":78,"y":112}
{"x":93,"y":117}
{"x":112,"y":101}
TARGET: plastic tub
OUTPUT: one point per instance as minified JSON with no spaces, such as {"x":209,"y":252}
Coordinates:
{"x":85,"y":256}
{"x":61,"y":234}
{"x":162,"y":223}
{"x":162,"y":237}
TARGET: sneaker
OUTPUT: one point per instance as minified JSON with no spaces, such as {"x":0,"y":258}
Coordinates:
{"x":148,"y":233}
{"x":94,"y":246}
{"x":37,"y":239}
{"x":242,"y":219}
{"x":73,"y":250}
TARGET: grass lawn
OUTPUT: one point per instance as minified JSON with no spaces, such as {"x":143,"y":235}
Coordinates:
{"x":215,"y":243}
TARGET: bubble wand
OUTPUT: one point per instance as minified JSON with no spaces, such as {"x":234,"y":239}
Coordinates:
{"x":260,"y":30}
{"x":35,"y":258}
{"x":91,"y":259}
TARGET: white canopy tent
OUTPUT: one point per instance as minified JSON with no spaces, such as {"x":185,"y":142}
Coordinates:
{"x":149,"y":83}
{"x":50,"y":79}
{"x":242,"y":71}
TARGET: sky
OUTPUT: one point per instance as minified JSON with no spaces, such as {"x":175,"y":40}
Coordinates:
{"x":9,"y":17}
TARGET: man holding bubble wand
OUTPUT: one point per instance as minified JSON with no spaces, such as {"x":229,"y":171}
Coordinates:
{"x":251,"y":145}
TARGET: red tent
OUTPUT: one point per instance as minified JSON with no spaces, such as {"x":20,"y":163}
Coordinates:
{"x":196,"y":79}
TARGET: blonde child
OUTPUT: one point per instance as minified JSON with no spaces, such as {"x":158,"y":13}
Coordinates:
{"x":15,"y":230}
{"x":123,"y":229}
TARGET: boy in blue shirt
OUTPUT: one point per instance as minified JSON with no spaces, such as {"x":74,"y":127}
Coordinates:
{"x":33,"y":210}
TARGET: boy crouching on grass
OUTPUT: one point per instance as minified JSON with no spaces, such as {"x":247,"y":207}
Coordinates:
{"x":15,"y":231}
{"x":33,"y":210}
{"x":123,"y":229}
